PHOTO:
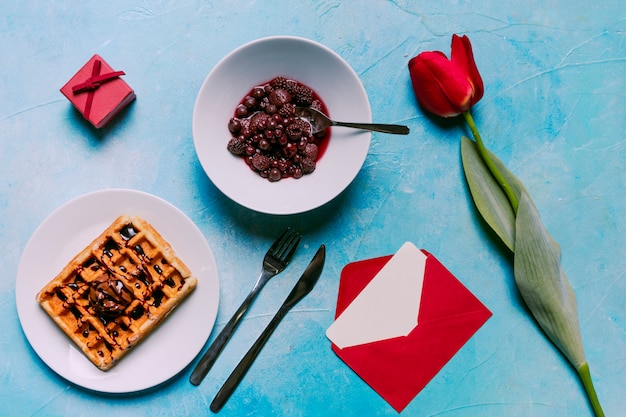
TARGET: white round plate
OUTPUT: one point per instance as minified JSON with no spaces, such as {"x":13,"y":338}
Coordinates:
{"x":171,"y":346}
{"x":256,"y":63}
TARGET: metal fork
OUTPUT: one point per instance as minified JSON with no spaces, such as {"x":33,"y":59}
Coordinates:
{"x":276,"y":259}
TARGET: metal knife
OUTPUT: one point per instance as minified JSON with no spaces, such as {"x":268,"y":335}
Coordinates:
{"x":304,"y":285}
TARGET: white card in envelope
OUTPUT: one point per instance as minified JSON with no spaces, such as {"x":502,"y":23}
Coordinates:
{"x":388,"y":306}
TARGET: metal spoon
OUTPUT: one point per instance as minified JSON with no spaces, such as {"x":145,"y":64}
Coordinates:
{"x":319,"y":121}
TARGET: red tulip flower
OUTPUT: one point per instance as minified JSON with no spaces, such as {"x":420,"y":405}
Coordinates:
{"x":447,"y":87}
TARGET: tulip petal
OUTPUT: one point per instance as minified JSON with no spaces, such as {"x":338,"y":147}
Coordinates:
{"x":440,"y":86}
{"x":463,"y":56}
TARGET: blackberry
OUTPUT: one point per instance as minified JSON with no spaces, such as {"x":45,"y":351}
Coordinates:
{"x":279,"y":82}
{"x":291,"y":85}
{"x":287,"y":110}
{"x":302,"y":95}
{"x":298,"y":129}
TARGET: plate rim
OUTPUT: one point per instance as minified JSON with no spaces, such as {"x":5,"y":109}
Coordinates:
{"x":115,"y":381}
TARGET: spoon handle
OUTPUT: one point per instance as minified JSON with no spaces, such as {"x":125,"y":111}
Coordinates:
{"x":377,"y":127}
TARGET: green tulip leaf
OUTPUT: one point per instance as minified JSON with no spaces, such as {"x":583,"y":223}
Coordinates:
{"x":547,"y":291}
{"x":490,"y":200}
{"x":537,"y":263}
{"x":543,"y":283}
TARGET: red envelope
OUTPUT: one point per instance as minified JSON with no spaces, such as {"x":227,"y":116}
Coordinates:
{"x":399,"y":368}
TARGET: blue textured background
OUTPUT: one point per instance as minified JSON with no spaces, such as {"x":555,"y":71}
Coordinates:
{"x":553,"y":111}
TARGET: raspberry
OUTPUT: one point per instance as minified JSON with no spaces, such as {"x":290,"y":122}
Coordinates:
{"x":307,"y":165}
{"x":245,"y":124}
{"x":259,"y":121}
{"x":280,"y":96}
{"x":283,"y":165}
{"x":260,"y":162}
{"x":236,"y":146}
{"x":311,"y":151}
{"x":317,"y":105}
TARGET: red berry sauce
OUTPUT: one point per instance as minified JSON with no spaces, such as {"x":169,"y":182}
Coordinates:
{"x":268,"y":135}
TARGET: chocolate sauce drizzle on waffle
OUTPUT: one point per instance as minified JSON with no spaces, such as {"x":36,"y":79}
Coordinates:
{"x":115,"y":295}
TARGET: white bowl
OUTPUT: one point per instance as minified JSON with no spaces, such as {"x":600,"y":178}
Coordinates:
{"x":256,"y":63}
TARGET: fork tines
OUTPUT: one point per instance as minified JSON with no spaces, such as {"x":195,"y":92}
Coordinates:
{"x":286,"y":244}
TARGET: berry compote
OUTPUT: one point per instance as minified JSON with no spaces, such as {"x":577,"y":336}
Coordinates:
{"x":268,"y":135}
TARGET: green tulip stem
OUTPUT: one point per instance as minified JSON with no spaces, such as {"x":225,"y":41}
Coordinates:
{"x":585,"y":377}
{"x":506,"y":187}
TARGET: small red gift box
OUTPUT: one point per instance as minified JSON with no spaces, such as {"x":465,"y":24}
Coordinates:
{"x":98,"y":92}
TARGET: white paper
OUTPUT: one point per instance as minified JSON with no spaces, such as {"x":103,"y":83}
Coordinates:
{"x":388,"y":306}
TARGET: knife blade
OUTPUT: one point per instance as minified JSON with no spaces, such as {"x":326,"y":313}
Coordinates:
{"x":304,"y":286}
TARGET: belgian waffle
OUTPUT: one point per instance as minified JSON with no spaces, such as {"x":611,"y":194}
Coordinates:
{"x":113,"y":293}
